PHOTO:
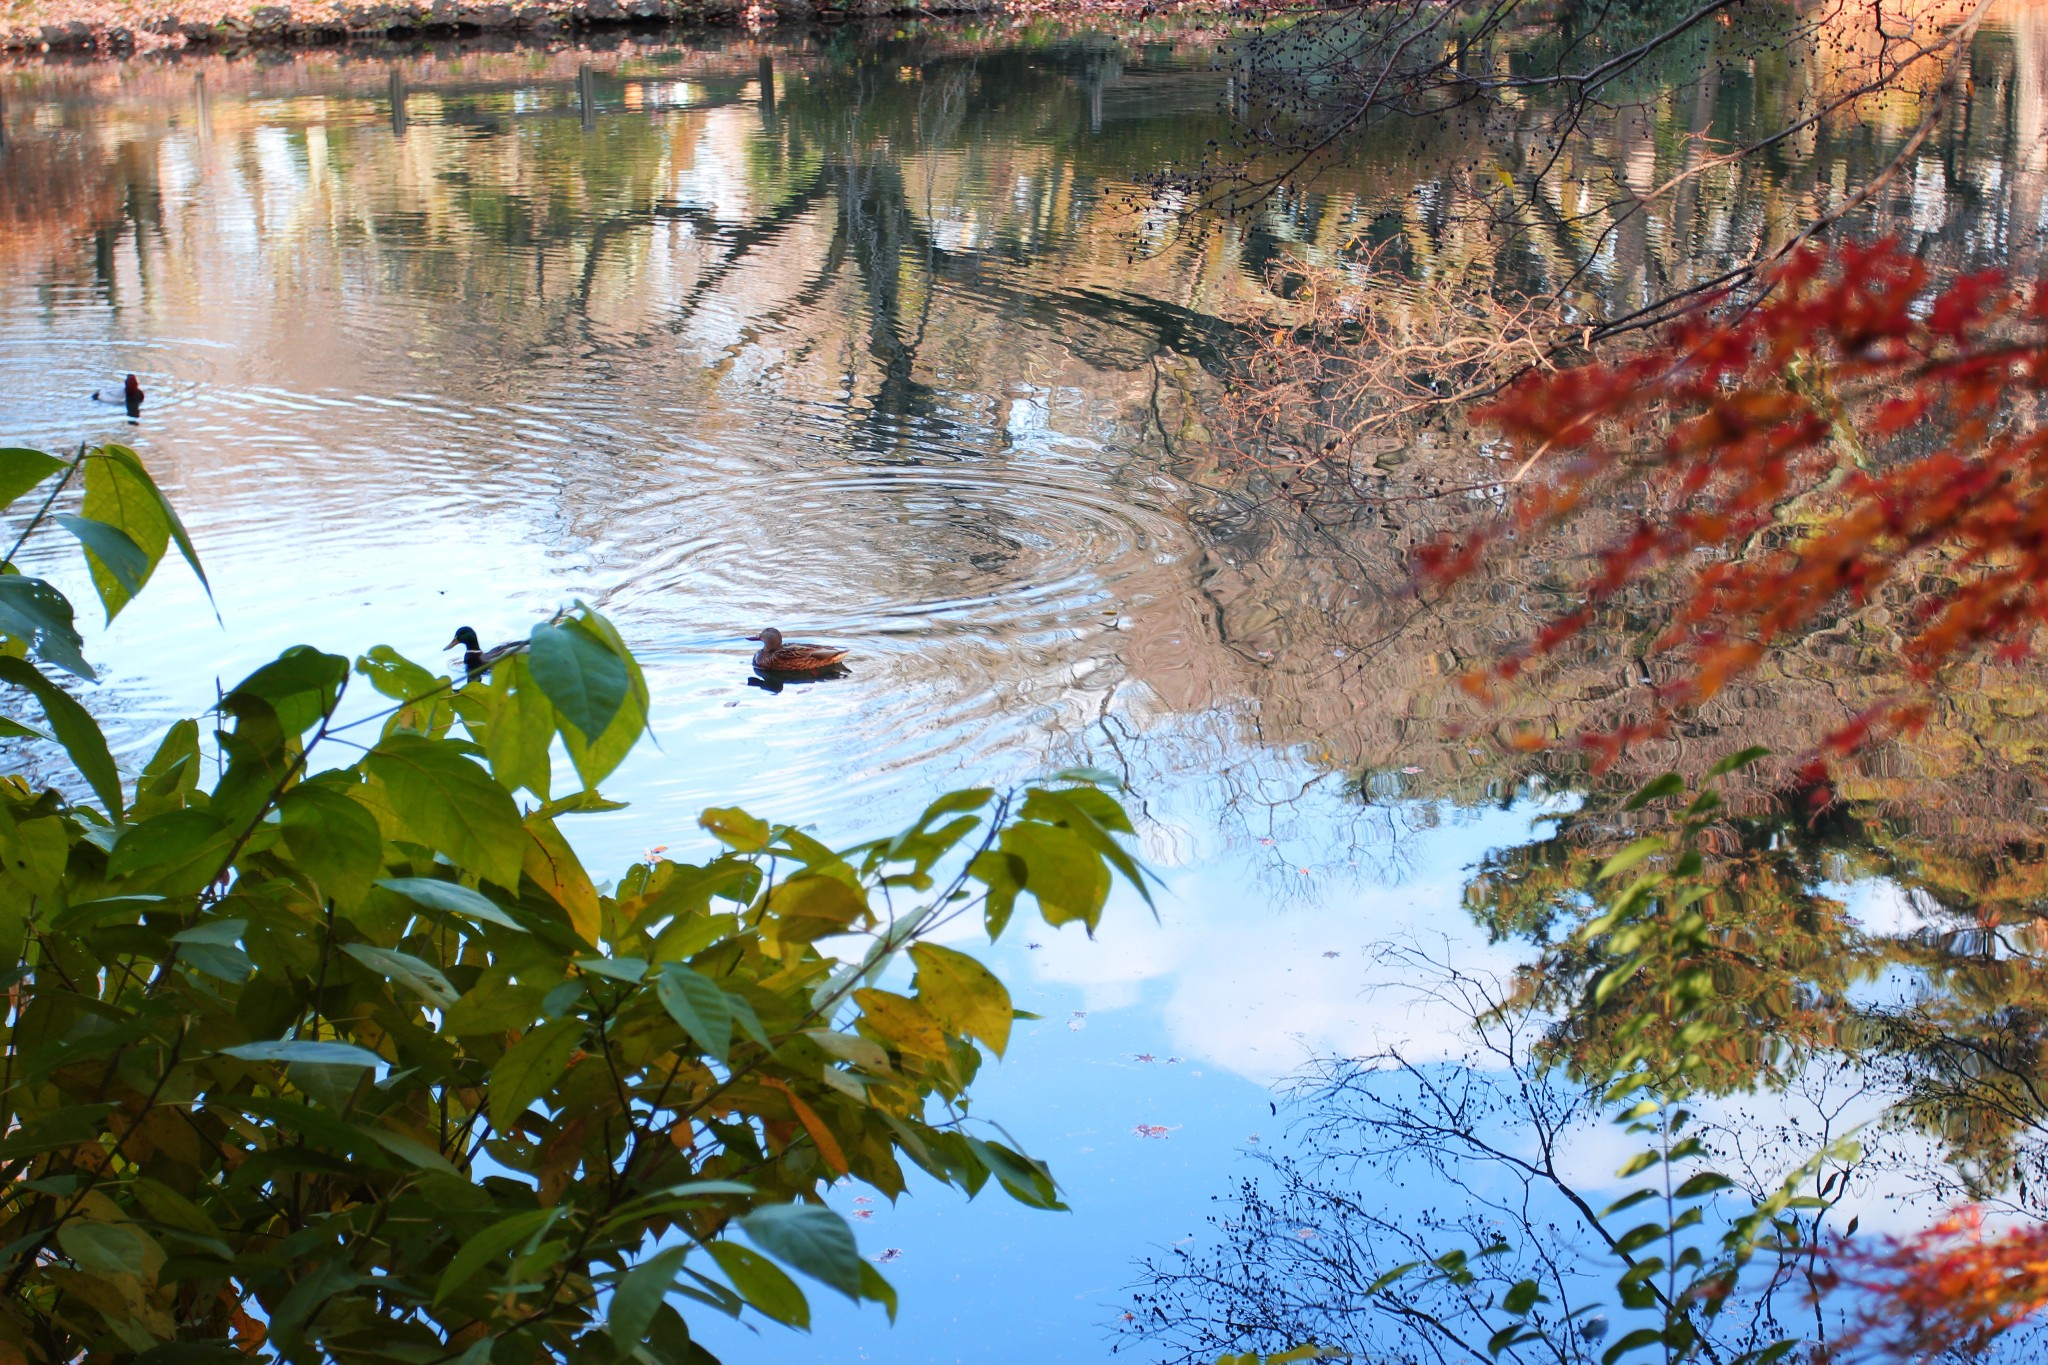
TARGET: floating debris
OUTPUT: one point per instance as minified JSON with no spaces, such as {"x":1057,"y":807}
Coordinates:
{"x":862,"y":1199}
{"x":1253,"y":1138}
{"x":1411,"y":770}
{"x":1146,"y":1057}
{"x":1079,"y":1020}
{"x":889,"y":1254}
{"x":1151,"y":1130}
{"x":1333,"y":953}
{"x":864,"y":1214}
{"x":1034,"y":947}
{"x":1173,"y":1061}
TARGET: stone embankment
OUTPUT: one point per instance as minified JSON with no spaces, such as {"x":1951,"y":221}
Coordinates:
{"x":119,"y":26}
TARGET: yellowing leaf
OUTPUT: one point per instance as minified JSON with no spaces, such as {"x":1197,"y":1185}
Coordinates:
{"x":554,"y":867}
{"x":809,"y":907}
{"x":735,"y":828}
{"x":903,"y":1022}
{"x":962,"y":994}
{"x":828,"y":1145}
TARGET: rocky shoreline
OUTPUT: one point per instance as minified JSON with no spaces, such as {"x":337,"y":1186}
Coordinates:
{"x":118,"y":28}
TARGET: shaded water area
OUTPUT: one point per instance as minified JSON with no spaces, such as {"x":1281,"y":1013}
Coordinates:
{"x":883,"y":337}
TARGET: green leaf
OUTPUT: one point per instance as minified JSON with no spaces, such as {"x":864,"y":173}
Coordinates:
{"x":1522,"y":1297}
{"x":173,"y":854}
{"x":735,"y":828}
{"x":696,"y":1002}
{"x":530,"y":1068}
{"x":1066,"y":877}
{"x":451,"y":804}
{"x":105,"y":1248}
{"x":876,"y":1289}
{"x":305,"y":1051}
{"x":333,"y":838}
{"x":119,"y":566}
{"x":14,"y":729}
{"x":132,"y":520}
{"x":595,"y":759}
{"x":964,"y":995}
{"x":761,"y":1283}
{"x":1634,"y":1341}
{"x":808,"y":907}
{"x":37,"y":614}
{"x":1026,"y":1181}
{"x":1663,"y":785}
{"x":172,"y":773}
{"x":21,"y":470}
{"x":300,"y":684}
{"x":1702,"y":1185}
{"x":74,"y":727}
{"x":410,"y":1150}
{"x":1390,"y":1276}
{"x":451,"y":897}
{"x":1633,"y":854}
{"x":639,"y":1294}
{"x":1003,"y":874}
{"x":815,"y":1240}
{"x":521,"y":728}
{"x":1741,"y":758}
{"x":580,"y":674}
{"x":488,"y":1245}
{"x":398,"y":677}
{"x":423,"y":979}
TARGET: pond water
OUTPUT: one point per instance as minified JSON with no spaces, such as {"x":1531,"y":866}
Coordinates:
{"x":881,"y":338}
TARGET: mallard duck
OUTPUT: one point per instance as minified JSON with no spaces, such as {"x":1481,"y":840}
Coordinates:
{"x":475,"y":658}
{"x":776,"y":657}
{"x":130,"y":397}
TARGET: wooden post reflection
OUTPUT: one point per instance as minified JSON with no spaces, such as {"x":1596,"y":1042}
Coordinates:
{"x":767,"y":80}
{"x":586,"y":96}
{"x":398,"y":120}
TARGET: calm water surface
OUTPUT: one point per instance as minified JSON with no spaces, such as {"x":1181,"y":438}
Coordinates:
{"x":877,"y":339}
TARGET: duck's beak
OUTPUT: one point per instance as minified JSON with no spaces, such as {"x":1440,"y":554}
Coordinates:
{"x":456,"y":643}
{"x":754,"y":638}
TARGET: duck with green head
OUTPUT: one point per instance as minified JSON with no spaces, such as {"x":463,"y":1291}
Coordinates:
{"x":475,"y":658}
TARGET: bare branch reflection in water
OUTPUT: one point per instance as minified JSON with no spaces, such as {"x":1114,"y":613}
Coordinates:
{"x":1460,"y":1137}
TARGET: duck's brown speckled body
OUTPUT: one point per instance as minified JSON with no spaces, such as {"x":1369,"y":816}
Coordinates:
{"x":775,"y":656}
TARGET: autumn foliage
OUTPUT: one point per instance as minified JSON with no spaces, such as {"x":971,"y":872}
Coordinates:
{"x":1946,"y":1292}
{"x":1859,"y":432}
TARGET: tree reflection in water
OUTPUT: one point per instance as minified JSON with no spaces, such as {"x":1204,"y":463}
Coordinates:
{"x":1914,"y":1020}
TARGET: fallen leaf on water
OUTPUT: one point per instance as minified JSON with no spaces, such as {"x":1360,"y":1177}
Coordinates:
{"x":1411,"y":771}
{"x":864,"y":1214}
{"x":1151,"y":1130}
{"x":862,"y":1199}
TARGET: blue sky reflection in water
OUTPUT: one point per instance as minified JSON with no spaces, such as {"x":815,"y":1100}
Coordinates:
{"x":855,"y":339}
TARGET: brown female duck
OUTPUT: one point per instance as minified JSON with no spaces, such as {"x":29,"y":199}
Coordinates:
{"x":776,"y":657}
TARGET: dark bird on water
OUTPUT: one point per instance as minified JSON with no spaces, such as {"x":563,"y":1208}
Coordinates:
{"x":776,"y":657}
{"x":475,"y":658}
{"x":130,"y":397}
